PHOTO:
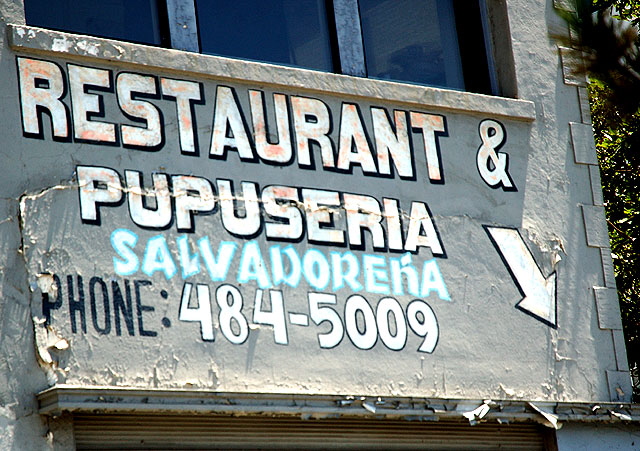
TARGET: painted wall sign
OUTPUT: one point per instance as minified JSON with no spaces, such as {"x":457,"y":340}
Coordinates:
{"x":245,"y":239}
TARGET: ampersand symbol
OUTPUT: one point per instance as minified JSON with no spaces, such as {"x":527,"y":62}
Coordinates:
{"x":493,"y":165}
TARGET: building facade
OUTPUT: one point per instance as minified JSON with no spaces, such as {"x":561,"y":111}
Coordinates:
{"x":309,"y":224}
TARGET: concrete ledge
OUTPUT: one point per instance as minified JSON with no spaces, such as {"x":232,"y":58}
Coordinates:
{"x":97,"y":400}
{"x":38,"y":41}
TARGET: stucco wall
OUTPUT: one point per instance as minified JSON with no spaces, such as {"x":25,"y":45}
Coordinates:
{"x":486,"y":349}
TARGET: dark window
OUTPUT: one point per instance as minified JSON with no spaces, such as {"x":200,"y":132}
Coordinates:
{"x":473,"y":42}
{"x":290,"y":32}
{"x":128,"y":20}
{"x":411,"y":40}
{"x":432,"y":42}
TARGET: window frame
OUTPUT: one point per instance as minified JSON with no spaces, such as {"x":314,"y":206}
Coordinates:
{"x":181,"y":33}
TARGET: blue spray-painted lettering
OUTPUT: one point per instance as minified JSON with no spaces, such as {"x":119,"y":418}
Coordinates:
{"x":432,"y":281}
{"x":157,"y":257}
{"x":292,"y":278}
{"x":217,"y":267}
{"x":252,"y":266}
{"x":345,"y":276}
{"x":404,"y":267}
{"x":316,"y":269}
{"x":343,"y":269}
{"x":123,"y":242}
{"x":190,"y":263}
{"x":376,"y":277}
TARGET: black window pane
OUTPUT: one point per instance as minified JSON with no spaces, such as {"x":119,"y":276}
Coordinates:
{"x":290,"y":32}
{"x":128,"y":20}
{"x":412,"y":40}
{"x":473,"y":51}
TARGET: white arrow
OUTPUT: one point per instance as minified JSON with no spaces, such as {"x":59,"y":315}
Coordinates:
{"x":539,"y":292}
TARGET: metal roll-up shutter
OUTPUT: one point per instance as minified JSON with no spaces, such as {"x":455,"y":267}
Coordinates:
{"x":180,"y":432}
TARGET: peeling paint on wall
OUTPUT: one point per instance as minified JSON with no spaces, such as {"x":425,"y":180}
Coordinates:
{"x":219,"y":231}
{"x":193,"y":266}
{"x":246,"y":231}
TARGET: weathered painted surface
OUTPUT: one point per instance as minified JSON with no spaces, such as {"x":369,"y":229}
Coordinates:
{"x":585,"y":437}
{"x":234,"y":271}
{"x":183,"y":221}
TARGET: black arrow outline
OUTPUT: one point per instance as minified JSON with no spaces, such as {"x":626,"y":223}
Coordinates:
{"x":515,"y":280}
